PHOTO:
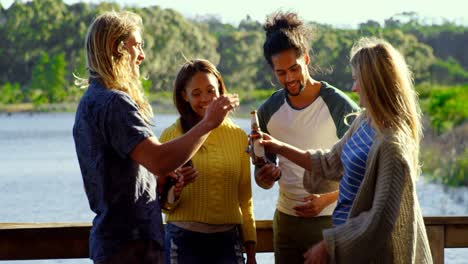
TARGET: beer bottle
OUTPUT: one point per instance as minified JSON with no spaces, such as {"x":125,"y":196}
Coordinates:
{"x":257,"y":151}
{"x":168,"y":198}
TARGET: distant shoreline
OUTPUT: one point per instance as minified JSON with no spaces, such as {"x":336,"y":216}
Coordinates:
{"x":160,"y":107}
{"x":31,"y":108}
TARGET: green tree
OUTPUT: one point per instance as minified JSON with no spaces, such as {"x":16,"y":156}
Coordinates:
{"x":330,"y":56}
{"x":448,"y":72}
{"x":11,"y":93}
{"x":419,"y":56}
{"x":248,"y":24}
{"x":371,"y":27}
{"x":48,"y":79}
{"x":241,"y":60}
{"x":55,"y":74}
{"x":39,"y":83}
{"x":436,"y":53}
{"x":169,"y":39}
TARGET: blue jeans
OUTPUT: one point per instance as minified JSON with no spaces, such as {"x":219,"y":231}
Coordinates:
{"x":185,"y":246}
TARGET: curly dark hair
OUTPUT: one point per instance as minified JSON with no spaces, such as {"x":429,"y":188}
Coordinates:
{"x":285,"y":31}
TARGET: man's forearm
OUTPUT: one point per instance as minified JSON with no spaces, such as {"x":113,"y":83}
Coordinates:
{"x":161,"y":159}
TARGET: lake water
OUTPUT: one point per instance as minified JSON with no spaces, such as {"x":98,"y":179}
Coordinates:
{"x":40,"y":180}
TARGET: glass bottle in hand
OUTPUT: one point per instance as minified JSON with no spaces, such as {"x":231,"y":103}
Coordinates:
{"x":257,"y":151}
{"x":168,"y":196}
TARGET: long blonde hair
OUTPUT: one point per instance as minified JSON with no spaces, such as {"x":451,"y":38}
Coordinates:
{"x":107,"y":59}
{"x":387,"y":85}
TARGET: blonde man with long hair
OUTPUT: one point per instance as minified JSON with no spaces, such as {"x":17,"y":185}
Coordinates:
{"x":118,"y":153}
{"x":378,"y":218}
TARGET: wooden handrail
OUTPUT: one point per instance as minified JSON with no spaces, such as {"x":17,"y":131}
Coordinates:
{"x":22,"y":241}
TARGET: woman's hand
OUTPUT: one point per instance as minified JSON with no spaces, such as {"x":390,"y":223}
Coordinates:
{"x":188,"y":173}
{"x":178,"y":187}
{"x":294,"y":154}
{"x":315,"y":203}
{"x":318,"y":254}
{"x":271,"y":144}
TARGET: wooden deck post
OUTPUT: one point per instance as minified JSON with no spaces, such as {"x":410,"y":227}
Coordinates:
{"x":436,"y":237}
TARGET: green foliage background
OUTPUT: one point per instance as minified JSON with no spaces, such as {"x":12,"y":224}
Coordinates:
{"x":42,"y":47}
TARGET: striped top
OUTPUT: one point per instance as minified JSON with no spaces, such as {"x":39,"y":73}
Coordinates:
{"x":354,"y":157}
{"x":385,"y":224}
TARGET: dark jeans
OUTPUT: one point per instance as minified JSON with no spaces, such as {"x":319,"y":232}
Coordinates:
{"x":137,"y":252}
{"x":185,"y":246}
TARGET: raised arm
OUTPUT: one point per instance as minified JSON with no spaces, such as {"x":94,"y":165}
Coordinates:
{"x":161,"y":159}
{"x":296,"y":155}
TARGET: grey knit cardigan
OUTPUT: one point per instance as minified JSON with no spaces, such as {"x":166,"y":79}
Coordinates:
{"x":385,"y":224}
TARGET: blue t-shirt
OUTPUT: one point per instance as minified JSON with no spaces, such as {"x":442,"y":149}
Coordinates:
{"x":353,"y":157}
{"x":122,"y":193}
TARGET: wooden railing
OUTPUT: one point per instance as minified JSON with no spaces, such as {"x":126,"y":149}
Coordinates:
{"x":22,"y":241}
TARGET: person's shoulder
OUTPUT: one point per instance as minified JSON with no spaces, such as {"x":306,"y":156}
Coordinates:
{"x":108,"y":97}
{"x":99,"y":98}
{"x":391,"y":145}
{"x":120,"y":97}
{"x":393,"y":152}
{"x":171,"y":132}
{"x":327,"y":88}
{"x":278,"y":95}
{"x":330,"y":93}
{"x":232,"y":127}
{"x":275,"y":99}
{"x":173,"y":129}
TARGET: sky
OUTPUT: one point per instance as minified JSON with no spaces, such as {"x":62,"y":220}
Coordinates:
{"x":339,"y":13}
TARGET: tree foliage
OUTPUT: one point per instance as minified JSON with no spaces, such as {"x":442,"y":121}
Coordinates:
{"x":43,"y":46}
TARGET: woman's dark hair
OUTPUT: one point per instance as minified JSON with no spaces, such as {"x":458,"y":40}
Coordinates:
{"x":188,"y":118}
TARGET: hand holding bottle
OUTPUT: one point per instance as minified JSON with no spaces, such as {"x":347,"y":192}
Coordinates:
{"x":268,"y":174}
{"x":188,"y":173}
{"x":170,"y":188}
{"x":271,"y":144}
{"x":256,"y":151}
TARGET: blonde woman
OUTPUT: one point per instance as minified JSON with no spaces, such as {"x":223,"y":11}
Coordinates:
{"x":378,"y":218}
{"x":117,"y":150}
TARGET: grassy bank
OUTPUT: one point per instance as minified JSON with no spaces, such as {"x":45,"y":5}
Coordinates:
{"x":29,"y":107}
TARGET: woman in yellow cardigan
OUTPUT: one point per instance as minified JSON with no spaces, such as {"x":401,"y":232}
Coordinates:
{"x":213,"y":214}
